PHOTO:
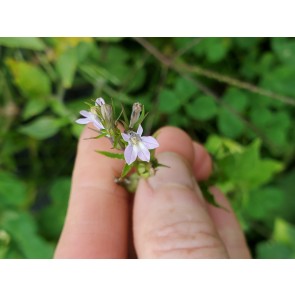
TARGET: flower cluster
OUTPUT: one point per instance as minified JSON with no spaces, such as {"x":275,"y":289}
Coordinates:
{"x":136,"y":147}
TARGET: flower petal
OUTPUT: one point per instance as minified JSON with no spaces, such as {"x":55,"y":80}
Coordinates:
{"x":85,"y":113}
{"x":130,"y":154}
{"x":125,"y":136}
{"x":99,"y":101}
{"x":97,"y":124}
{"x":150,"y":142}
{"x":143,"y":152}
{"x":83,"y":121}
{"x":139,"y":130}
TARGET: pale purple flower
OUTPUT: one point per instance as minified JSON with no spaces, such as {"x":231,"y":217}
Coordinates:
{"x":99,"y":102}
{"x":90,"y":118}
{"x":138,"y":146}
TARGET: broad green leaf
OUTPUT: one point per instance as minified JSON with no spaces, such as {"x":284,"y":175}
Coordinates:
{"x":235,"y":98}
{"x":30,"y":79}
{"x":33,"y":43}
{"x":12,"y":191}
{"x":247,"y":169}
{"x":202,"y":108}
{"x":284,"y":233}
{"x":169,"y":101}
{"x":215,"y":49}
{"x":34,"y":107}
{"x":229,"y":124}
{"x":280,"y":80}
{"x":184,"y":89}
{"x":23,"y":231}
{"x":52,"y":217}
{"x":41,"y":128}
{"x":264,"y":204}
{"x":284,"y":49}
{"x":273,"y":250}
{"x":112,"y":155}
{"x":66,"y":65}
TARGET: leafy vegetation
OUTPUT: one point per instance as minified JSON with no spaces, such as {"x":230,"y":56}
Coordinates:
{"x":235,"y":95}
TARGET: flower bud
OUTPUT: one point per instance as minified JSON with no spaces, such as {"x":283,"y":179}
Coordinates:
{"x":107,"y":114}
{"x":136,"y":109}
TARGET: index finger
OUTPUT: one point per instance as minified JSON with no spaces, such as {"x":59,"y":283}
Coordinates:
{"x":96,"y":224}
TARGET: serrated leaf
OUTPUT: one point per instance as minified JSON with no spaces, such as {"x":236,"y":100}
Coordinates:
{"x":112,"y":155}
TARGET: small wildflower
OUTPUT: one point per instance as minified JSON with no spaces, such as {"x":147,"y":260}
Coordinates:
{"x":138,"y":146}
{"x":90,"y":117}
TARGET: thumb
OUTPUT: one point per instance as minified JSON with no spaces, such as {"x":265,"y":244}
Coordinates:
{"x":170,"y":216}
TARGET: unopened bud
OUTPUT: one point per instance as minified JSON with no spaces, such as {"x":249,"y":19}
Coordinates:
{"x":107,"y":114}
{"x":136,"y":109}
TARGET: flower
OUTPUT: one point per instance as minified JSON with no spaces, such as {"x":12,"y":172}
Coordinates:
{"x":136,"y":109}
{"x":99,"y":102}
{"x":138,"y":145}
{"x":90,"y":118}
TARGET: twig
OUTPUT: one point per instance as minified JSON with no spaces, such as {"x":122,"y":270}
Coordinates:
{"x":212,"y":75}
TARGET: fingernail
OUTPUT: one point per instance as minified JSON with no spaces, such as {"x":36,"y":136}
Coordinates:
{"x":178,"y":173}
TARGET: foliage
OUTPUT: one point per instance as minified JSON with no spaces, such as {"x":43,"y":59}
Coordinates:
{"x":247,"y":127}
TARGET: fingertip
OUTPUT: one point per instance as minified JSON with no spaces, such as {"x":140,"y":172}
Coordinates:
{"x":202,"y":165}
{"x":175,"y":140}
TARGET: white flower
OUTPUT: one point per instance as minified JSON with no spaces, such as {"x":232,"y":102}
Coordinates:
{"x":138,"y":146}
{"x":90,"y":118}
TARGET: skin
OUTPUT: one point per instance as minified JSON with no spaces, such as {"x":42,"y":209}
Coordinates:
{"x":168,"y":217}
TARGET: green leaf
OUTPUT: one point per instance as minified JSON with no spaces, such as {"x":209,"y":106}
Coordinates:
{"x":284,"y":233}
{"x":33,"y":108}
{"x":41,"y":128}
{"x":229,"y":124}
{"x":127,"y":168}
{"x":273,"y":250}
{"x":112,"y":155}
{"x":33,"y":43}
{"x":66,"y":65}
{"x":203,"y":108}
{"x":215,"y":49}
{"x":52,"y":217}
{"x":23,"y":230}
{"x":264,"y":204}
{"x":235,"y":98}
{"x":247,"y":169}
{"x":30,"y":79}
{"x":184,"y":89}
{"x":12,"y":191}
{"x":169,"y":101}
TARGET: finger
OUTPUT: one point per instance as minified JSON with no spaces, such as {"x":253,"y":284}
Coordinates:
{"x":170,"y":217}
{"x":97,"y":217}
{"x":175,"y":140}
{"x":228,"y":227}
{"x":202,"y":162}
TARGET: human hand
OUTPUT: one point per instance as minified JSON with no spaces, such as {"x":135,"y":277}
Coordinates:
{"x":170,"y":218}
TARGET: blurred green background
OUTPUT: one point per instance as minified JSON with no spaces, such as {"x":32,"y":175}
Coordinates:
{"x":236,"y":95}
